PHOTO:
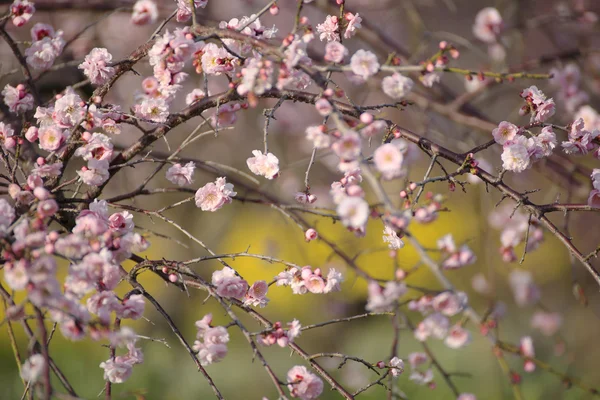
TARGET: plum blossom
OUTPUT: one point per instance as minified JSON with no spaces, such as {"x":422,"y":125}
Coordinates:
{"x":278,"y":335}
{"x":335,"y":52}
{"x":397,"y":85}
{"x":388,"y":160}
{"x":435,"y":325}
{"x":516,"y":156}
{"x":390,"y":236}
{"x":144,"y":12}
{"x":214,"y":195}
{"x":347,"y":147}
{"x":384,"y":298}
{"x":524,"y":288}
{"x":116,"y":371}
{"x":396,"y":366}
{"x":416,"y":359}
{"x":21,"y":12}
{"x":46,"y":47}
{"x":364,"y":64}
{"x":528,"y":351}
{"x":546,"y":322}
{"x":537,"y":104}
{"x":266,"y":165}
{"x":96,"y":66}
{"x":51,"y":138}
{"x":229,"y":284}
{"x":304,"y":384}
{"x":354,"y":212}
{"x":96,"y":173}
{"x":457,"y":337}
{"x":353,"y":24}
{"x":257,"y":294}
{"x":422,"y":378}
{"x":6,"y":135}
{"x":488,"y":25}
{"x":7,"y":215}
{"x":317,"y":135}
{"x":217,"y":60}
{"x":304,"y":280}
{"x":329,"y":29}
{"x":505,"y":132}
{"x":132,"y":307}
{"x":184,"y":10}
{"x":153,"y":110}
{"x":181,"y":175}
{"x":17,"y":99}
{"x":33,"y":368}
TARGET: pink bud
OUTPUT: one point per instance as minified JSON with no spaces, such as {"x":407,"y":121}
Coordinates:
{"x":165,"y":270}
{"x":340,"y":2}
{"x":310,"y":234}
{"x":443,"y":44}
{"x":403,"y":194}
{"x":274,"y":10}
{"x":49,"y":248}
{"x":304,"y":20}
{"x":10,"y":142}
{"x":13,"y":190}
{"x":366,"y":118}
{"x":40,"y":161}
{"x":380,"y":364}
{"x":312,"y":198}
{"x":32,"y":134}
{"x":328,"y":92}
{"x":173,"y":278}
{"x":40,"y":193}
{"x":412,"y":186}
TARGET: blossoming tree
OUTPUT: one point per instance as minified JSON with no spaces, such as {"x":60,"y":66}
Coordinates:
{"x":71,"y":245}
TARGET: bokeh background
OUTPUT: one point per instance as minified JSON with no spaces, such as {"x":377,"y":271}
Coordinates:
{"x":534,"y":28}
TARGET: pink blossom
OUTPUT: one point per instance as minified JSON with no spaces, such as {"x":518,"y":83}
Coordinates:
{"x":96,"y":66}
{"x":353,"y":24}
{"x":96,"y":173}
{"x":132,"y":307}
{"x":364,"y":64}
{"x":524,"y":289}
{"x":225,"y":115}
{"x":47,"y":208}
{"x":98,"y":147}
{"x":102,"y":304}
{"x":17,"y":99}
{"x":354,"y":212}
{"x":505,"y":132}
{"x":329,"y":29}
{"x":194,"y":96}
{"x":33,"y":367}
{"x":303,"y":384}
{"x":181,"y":175}
{"x":545,"y":111}
{"x":488,"y":25}
{"x":7,"y":215}
{"x":397,"y":85}
{"x":397,"y":366}
{"x":68,"y":110}
{"x":266,"y":165}
{"x":144,"y":12}
{"x":416,"y":359}
{"x":21,"y":12}
{"x":422,"y":378}
{"x":51,"y":138}
{"x":390,"y":236}
{"x":209,"y":354}
{"x":335,"y":52}
{"x":435,"y":325}
{"x":449,"y":303}
{"x":6,"y":133}
{"x":257,"y":294}
{"x":547,"y":322}
{"x":388,"y":160}
{"x":528,"y":352}
{"x":348,"y":146}
{"x":317,"y":135}
{"x":515,"y":156}
{"x":184,"y":10}
{"x":116,"y":371}
{"x":44,"y":51}
{"x":545,"y":142}
{"x":153,"y":109}
{"x":229,"y":284}
{"x":214,"y":195}
{"x":457,"y":337}
{"x":324,"y":107}
{"x":383,"y":299}
{"x":217,"y":60}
